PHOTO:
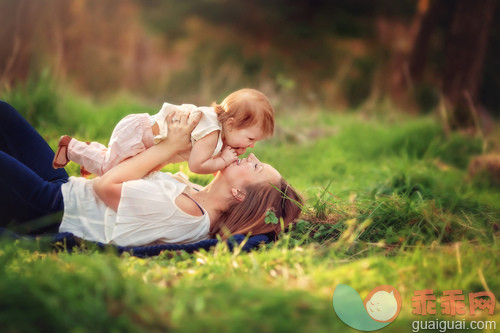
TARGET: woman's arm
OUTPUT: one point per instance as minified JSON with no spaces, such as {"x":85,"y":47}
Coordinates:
{"x":109,"y":187}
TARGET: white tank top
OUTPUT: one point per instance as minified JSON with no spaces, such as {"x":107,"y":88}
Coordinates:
{"x":147,"y":213}
{"x":208,"y":123}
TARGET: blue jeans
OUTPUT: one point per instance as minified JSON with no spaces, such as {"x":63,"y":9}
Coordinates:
{"x":30,"y":189}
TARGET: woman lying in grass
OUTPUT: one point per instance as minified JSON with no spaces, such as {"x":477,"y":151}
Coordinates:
{"x":130,"y":205}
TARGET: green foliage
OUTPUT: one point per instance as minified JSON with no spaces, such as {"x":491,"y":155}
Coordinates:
{"x":270,"y":217}
{"x":358,"y":86}
{"x":94,"y":120}
{"x":37,"y":99}
{"x":403,"y":176}
{"x":275,"y":288}
{"x":53,"y":293}
{"x":458,"y":149}
{"x":387,"y":202}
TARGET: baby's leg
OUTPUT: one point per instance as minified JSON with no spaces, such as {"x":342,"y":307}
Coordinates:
{"x":91,"y":155}
{"x":131,"y":136}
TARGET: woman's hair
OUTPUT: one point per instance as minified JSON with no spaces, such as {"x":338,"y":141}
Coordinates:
{"x":249,"y":215}
{"x":248,"y":107}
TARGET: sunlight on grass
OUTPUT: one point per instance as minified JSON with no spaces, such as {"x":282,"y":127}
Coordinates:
{"x":263,"y":287}
{"x":387,"y":202}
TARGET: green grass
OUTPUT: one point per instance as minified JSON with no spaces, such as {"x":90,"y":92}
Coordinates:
{"x":387,"y":202}
{"x":277,"y":288}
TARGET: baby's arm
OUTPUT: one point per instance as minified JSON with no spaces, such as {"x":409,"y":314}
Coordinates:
{"x":201,"y":160}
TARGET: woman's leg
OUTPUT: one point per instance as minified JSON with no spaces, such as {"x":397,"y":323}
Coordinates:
{"x":24,"y":195}
{"x":20,"y":140}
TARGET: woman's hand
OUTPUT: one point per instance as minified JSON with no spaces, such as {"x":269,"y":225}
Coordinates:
{"x":108,"y":187}
{"x":180,"y":125}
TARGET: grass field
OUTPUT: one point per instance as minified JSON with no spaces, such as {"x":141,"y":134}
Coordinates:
{"x":387,"y":202}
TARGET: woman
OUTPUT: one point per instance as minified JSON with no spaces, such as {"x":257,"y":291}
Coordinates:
{"x":130,"y":205}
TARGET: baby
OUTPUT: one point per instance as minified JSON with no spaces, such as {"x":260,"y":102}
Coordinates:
{"x":224,"y":132}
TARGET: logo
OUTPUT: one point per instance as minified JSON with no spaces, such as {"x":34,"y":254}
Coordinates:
{"x":380,"y":308}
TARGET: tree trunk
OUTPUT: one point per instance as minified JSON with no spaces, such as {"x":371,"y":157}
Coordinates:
{"x":465,"y":49}
{"x":431,"y":17}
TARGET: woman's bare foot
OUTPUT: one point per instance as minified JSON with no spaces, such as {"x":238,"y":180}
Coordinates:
{"x":61,"y":156}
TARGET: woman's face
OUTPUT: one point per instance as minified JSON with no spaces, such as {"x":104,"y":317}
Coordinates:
{"x":250,"y":171}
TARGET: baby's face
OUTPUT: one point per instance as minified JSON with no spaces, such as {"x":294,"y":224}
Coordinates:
{"x":382,"y":306}
{"x":242,"y":138}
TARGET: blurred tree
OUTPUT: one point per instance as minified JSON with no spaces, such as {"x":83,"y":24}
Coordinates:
{"x":432,"y":13}
{"x":464,"y":27}
{"x":488,"y":94}
{"x":17,"y":39}
{"x":465,"y":50}
{"x":100,"y":46}
{"x":327,"y":53}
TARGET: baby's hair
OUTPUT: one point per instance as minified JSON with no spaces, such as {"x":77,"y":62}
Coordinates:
{"x":248,"y":107}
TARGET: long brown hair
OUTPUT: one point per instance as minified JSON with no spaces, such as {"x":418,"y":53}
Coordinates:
{"x":248,"y":107}
{"x":249,"y":215}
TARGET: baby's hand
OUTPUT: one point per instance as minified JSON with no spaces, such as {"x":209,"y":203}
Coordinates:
{"x":229,"y":155}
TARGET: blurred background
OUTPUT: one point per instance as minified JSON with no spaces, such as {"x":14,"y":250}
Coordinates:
{"x":386,"y":117}
{"x":415,"y":56}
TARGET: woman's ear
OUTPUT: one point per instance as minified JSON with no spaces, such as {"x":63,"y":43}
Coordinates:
{"x":238,"y":194}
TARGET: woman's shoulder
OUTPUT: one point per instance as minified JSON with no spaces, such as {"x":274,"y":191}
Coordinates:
{"x":188,"y":205}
